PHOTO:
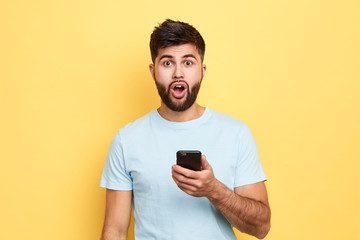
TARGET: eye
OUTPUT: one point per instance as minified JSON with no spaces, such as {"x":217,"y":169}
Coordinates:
{"x":188,"y":63}
{"x":167,"y":63}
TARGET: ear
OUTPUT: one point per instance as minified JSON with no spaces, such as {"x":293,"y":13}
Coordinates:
{"x":152,"y":70}
{"x":203,"y":70}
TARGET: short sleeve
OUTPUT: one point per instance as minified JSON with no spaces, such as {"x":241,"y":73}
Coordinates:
{"x":114,"y":175}
{"x":248,"y":169}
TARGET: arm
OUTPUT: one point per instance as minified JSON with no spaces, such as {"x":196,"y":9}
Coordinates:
{"x":247,"y":208}
{"x":117,"y":215}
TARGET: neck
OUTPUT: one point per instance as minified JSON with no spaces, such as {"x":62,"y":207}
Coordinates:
{"x":193,"y":112}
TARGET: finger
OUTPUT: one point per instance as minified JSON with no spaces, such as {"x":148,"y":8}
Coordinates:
{"x":183,"y":179}
{"x":204,"y":163}
{"x":184,"y":171}
{"x":189,"y":189}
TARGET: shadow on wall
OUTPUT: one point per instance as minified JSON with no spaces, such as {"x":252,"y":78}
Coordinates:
{"x":134,"y":94}
{"x":138,"y":92}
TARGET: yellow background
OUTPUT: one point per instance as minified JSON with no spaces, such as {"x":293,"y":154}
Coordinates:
{"x":74,"y":72}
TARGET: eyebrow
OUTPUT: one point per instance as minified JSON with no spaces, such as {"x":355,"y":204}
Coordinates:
{"x":189,"y":55}
{"x":165,"y":56}
{"x":185,"y":56}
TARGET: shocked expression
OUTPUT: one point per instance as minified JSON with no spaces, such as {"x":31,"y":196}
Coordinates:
{"x":178,"y":71}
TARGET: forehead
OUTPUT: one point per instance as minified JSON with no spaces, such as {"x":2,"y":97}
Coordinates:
{"x":179,"y":51}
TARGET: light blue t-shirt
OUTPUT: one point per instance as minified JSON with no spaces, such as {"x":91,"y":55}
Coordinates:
{"x":140,"y":159}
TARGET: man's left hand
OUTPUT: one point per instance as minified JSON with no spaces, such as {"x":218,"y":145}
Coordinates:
{"x":195,"y":183}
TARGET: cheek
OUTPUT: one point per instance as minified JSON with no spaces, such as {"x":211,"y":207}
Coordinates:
{"x":195,"y":75}
{"x":162,"y":75}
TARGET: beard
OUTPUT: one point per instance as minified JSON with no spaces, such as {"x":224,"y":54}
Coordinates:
{"x":191,"y":96}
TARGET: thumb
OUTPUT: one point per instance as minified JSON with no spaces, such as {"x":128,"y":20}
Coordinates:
{"x":204,"y":163}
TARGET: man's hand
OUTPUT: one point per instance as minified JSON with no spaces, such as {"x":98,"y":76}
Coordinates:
{"x":195,"y":183}
{"x":246,"y":207}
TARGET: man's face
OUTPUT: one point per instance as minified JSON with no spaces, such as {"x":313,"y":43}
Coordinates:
{"x":178,"y":71}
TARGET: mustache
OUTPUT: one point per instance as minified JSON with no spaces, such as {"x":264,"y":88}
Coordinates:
{"x":177,"y":81}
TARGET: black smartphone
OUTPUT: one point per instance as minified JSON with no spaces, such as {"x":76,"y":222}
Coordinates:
{"x":190,"y":159}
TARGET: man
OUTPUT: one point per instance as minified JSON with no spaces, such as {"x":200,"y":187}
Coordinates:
{"x":169,"y":201}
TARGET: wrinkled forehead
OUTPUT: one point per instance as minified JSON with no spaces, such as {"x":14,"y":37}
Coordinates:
{"x":179,"y":51}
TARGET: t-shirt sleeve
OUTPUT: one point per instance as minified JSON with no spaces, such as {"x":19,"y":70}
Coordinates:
{"x":248,"y":169}
{"x":114,"y":175}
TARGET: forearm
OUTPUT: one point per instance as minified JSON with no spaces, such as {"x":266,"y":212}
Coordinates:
{"x":109,"y":234}
{"x":247,"y":215}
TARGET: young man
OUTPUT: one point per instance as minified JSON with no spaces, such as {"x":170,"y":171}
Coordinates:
{"x":169,"y":201}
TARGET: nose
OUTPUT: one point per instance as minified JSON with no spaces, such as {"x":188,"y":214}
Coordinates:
{"x":178,"y":72}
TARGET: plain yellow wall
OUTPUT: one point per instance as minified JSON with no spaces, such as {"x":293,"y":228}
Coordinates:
{"x":73,"y":72}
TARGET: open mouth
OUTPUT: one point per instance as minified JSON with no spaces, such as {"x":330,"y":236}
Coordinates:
{"x":178,"y":89}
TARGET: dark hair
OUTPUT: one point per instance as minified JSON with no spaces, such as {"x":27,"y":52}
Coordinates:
{"x":173,"y":33}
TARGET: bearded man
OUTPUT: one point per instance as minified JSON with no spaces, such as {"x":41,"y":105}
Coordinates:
{"x":170,"y":201}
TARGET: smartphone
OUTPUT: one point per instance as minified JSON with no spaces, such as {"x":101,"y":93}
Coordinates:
{"x":190,"y":159}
